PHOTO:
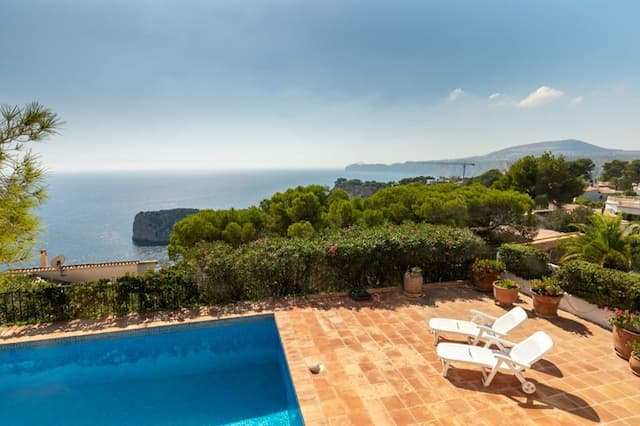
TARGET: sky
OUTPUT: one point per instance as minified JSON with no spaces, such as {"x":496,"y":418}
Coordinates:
{"x":205,"y":84}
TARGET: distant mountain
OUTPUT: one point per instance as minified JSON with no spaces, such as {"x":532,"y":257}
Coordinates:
{"x":502,"y":159}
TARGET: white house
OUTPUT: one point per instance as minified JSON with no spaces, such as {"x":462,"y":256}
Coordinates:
{"x":86,"y":272}
{"x":624,"y":205}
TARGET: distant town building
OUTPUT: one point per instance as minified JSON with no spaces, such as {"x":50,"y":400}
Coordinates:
{"x":625,"y":205}
{"x":599,"y":192}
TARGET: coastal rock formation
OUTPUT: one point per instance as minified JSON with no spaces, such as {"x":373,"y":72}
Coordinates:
{"x":153,"y":228}
{"x":358,"y":188}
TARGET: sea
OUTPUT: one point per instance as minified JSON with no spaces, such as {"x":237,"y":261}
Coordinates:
{"x":88,"y":217}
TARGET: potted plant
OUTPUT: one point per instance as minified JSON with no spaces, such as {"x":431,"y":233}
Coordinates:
{"x":413,"y":282}
{"x":546,"y":294}
{"x":506,"y":291}
{"x":626,"y":329}
{"x":485,"y":272}
{"x":634,"y":359}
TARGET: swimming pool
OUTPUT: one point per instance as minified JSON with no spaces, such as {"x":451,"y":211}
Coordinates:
{"x":212,"y":373}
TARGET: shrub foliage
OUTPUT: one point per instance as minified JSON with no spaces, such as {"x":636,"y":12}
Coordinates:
{"x":524,"y":261}
{"x":600,"y":286}
{"x":307,"y":210}
{"x":217,"y":272}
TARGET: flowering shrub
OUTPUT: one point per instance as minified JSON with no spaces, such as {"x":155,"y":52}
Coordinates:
{"x":211,"y":273}
{"x":524,"y":261}
{"x":547,"y":287}
{"x":626,"y":319}
{"x":342,"y":259}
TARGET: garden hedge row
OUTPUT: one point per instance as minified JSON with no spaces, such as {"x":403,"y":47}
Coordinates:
{"x":344,"y":259}
{"x":214,"y":273}
{"x":601,"y":286}
{"x":524,"y":261}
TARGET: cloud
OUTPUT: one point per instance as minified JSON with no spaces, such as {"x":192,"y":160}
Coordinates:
{"x":577,"y":100}
{"x":456,"y":94}
{"x":499,"y":99}
{"x":541,"y":96}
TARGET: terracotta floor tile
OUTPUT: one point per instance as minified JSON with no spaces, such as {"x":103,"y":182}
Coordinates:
{"x":402,"y":417}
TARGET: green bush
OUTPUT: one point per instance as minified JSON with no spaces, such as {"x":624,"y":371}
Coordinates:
{"x":298,"y":211}
{"x":524,"y":261}
{"x":600,"y":286}
{"x":562,"y":220}
{"x":342,"y":259}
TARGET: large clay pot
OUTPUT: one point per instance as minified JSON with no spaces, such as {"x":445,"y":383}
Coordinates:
{"x":505,"y":296}
{"x":485,"y":283}
{"x":634,"y":364}
{"x":546,"y":306}
{"x":413,"y":284}
{"x":621,"y":339}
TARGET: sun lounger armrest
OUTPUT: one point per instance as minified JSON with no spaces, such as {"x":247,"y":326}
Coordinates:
{"x":510,"y":361}
{"x":481,"y":316}
{"x":492,"y":339}
{"x":485,"y":330}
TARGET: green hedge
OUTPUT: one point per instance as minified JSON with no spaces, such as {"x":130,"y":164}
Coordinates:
{"x":524,"y":261}
{"x":601,"y":286}
{"x":343,"y":259}
{"x":219,"y":273}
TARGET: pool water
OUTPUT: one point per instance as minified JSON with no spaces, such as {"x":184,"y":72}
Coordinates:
{"x":230,"y":372}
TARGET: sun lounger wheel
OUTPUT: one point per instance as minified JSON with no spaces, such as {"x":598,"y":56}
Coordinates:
{"x":528,"y":388}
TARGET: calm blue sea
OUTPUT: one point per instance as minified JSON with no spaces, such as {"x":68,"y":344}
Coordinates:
{"x":89,"y":217}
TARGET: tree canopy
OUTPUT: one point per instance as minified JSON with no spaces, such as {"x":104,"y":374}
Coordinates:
{"x":622,"y":174}
{"x":547,"y":178}
{"x":303,"y":211}
{"x":21,"y":177}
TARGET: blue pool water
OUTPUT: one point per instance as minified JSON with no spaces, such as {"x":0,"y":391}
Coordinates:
{"x":215,"y":373}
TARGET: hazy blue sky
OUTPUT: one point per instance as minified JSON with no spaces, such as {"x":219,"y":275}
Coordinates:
{"x":259,"y":83}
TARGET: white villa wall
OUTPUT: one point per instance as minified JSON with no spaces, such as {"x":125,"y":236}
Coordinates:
{"x":90,"y":272}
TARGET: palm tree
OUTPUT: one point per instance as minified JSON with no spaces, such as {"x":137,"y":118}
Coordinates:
{"x":605,"y":241}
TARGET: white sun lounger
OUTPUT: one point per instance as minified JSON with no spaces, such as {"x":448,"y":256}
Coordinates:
{"x":480,"y":326}
{"x":516,"y":360}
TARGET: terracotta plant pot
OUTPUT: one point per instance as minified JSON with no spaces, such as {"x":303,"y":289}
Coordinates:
{"x":485,"y":283}
{"x":413,"y":284}
{"x":546,"y":306}
{"x":634,"y":364}
{"x":621,"y":339}
{"x":505,"y":296}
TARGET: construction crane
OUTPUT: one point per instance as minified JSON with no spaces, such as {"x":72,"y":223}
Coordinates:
{"x":464,"y":165}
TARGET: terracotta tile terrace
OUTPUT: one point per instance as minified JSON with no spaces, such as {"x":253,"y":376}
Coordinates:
{"x":382,"y":368}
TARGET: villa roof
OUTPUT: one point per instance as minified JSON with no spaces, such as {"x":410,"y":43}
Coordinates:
{"x":629,"y":202}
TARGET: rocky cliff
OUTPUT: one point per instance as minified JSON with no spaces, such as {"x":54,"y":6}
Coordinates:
{"x":153,"y":228}
{"x":358,"y":188}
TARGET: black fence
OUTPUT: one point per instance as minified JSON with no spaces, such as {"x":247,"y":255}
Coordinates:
{"x":160,"y":292}
{"x":95,"y":299}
